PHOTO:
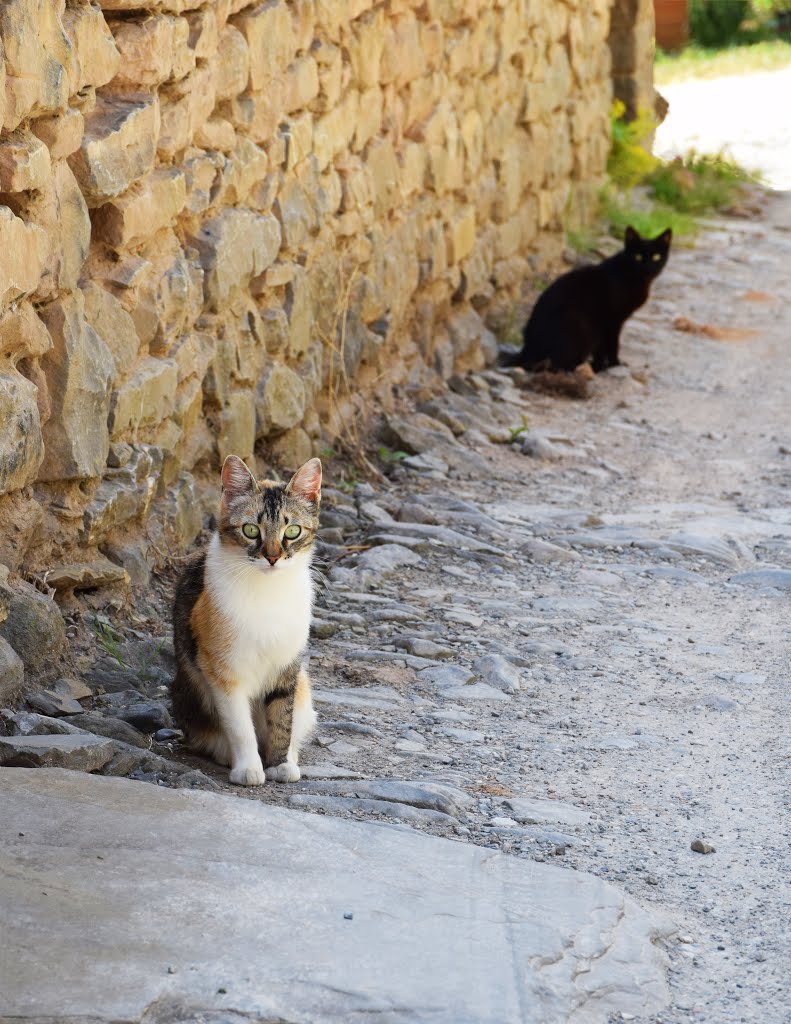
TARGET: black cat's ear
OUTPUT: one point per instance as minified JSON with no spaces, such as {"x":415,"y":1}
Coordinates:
{"x":666,"y":237}
{"x":236,"y":479}
{"x":630,"y":237}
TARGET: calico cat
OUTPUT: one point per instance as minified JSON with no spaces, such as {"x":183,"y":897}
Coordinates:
{"x":580,"y":316}
{"x":240,"y":621}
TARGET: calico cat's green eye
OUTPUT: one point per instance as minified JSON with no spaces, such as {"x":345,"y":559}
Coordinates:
{"x":251,"y":531}
{"x":292,"y":532}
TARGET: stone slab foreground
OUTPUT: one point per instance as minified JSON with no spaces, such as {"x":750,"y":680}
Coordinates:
{"x":126,"y":903}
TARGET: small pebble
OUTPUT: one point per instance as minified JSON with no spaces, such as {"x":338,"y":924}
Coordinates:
{"x":348,"y":916}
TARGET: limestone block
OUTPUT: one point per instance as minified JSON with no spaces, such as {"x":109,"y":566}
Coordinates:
{"x":204,"y":36}
{"x":329,"y":194}
{"x":96,"y":58}
{"x":119,"y":146}
{"x":110,"y":320}
{"x":34,"y":628}
{"x":364,"y":46}
{"x":385,"y":176}
{"x":369,"y":118}
{"x":38,"y":57}
{"x":185,"y":107}
{"x":61,"y":134}
{"x":403,"y":57}
{"x":244,"y":169}
{"x":299,"y":310}
{"x":511,"y":169}
{"x":280,"y":400}
{"x":274,"y":323}
{"x":21,"y":446}
{"x":335,"y":130}
{"x":413,"y":167}
{"x":60,"y":210}
{"x":236,"y":435}
{"x":200,"y":173}
{"x":461,"y":235}
{"x":181,"y":510}
{"x":154,"y":50}
{"x":21,"y":516}
{"x":329,"y":60}
{"x":24,"y":162}
{"x":192,"y":354}
{"x":23,"y":251}
{"x":296,"y":214}
{"x":257,"y":114}
{"x":489,"y":34}
{"x":231,"y":64}
{"x":269,"y":31}
{"x":168,"y":6}
{"x":217,"y":134}
{"x":235,"y":246}
{"x":558,"y":78}
{"x":152,"y":203}
{"x":22,"y":334}
{"x":123,"y":495}
{"x":146,"y":397}
{"x":303,"y":15}
{"x":298,"y":135}
{"x":445,"y":170}
{"x":2,"y":85}
{"x":78,"y":369}
{"x":291,"y":449}
{"x":301,"y":84}
{"x":12,"y":673}
{"x":472,"y":135}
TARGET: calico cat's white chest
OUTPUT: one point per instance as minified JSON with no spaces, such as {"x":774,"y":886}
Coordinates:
{"x":268,"y":616}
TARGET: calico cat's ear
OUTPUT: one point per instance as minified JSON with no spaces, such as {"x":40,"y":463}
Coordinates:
{"x":236,"y":479}
{"x":630,"y":237}
{"x":666,"y":237}
{"x":306,"y":482}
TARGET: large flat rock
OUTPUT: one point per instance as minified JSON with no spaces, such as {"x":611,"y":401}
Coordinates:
{"x":127,"y":903}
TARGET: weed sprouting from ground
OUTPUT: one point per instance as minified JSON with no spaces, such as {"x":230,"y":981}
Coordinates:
{"x":699,"y":182}
{"x":516,"y":432}
{"x":651,"y":194}
{"x":109,"y":640}
{"x":390,"y":457}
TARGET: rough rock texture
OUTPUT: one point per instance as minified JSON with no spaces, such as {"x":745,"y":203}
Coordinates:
{"x":631,"y":42}
{"x":228,"y":227}
{"x":529,"y":942}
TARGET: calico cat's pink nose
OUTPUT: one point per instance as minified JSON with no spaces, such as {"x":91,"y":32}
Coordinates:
{"x":272,"y":558}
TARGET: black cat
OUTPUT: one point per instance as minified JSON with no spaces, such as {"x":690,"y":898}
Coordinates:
{"x":580,"y":316}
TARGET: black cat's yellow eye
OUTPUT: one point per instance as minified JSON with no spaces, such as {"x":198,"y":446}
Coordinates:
{"x":292,"y":532}
{"x":656,"y":257}
{"x":251,"y":531}
{"x":639,"y":257}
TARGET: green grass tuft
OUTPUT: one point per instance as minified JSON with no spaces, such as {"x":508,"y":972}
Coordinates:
{"x":707,"y":62}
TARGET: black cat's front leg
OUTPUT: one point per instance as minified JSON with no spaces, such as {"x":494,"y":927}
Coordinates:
{"x":607,"y":355}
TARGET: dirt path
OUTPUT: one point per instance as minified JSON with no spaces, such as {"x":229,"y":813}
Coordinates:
{"x":575,"y":647}
{"x":650,"y":640}
{"x":747,"y":115}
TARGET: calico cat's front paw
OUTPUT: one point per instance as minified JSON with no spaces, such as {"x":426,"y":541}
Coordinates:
{"x":285,"y":772}
{"x":248,"y":775}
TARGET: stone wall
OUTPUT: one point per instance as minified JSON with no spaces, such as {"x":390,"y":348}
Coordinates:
{"x":632,"y":44}
{"x":231,"y":226}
